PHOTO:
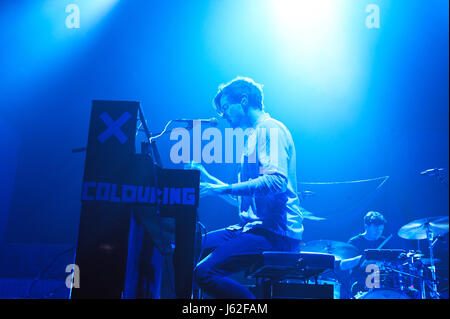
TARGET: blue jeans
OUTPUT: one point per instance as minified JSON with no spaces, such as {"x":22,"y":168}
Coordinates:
{"x":234,"y":251}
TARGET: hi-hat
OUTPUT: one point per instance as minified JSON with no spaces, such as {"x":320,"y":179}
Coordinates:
{"x":417,"y":229}
{"x":339,"y":249}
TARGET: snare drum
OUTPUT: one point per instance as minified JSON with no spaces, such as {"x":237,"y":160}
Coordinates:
{"x":382,"y":294}
{"x":336,"y":286}
{"x":378,"y":277}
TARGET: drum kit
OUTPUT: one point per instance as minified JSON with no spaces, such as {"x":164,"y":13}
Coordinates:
{"x":391,"y":273}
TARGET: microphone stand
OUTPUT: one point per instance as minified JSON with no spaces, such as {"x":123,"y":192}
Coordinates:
{"x":440,"y":178}
{"x":150,"y":136}
{"x":151,"y":150}
{"x":436,"y":172}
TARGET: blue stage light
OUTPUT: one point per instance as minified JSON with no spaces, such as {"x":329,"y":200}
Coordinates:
{"x":42,"y":35}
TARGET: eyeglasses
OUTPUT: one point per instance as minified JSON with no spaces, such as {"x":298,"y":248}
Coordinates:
{"x":223,"y":108}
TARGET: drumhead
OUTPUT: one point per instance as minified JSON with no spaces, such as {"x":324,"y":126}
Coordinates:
{"x":383,"y":294}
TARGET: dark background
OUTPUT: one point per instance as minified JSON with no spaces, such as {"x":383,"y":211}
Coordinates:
{"x":365,"y":103}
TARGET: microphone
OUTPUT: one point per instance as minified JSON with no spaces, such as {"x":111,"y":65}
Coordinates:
{"x":212,"y":121}
{"x":306,"y":194}
{"x":432,"y":171}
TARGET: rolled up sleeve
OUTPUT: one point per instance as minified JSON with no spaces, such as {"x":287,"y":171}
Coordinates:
{"x":263,"y":185}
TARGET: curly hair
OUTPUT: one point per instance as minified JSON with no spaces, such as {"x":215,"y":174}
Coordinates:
{"x":374,"y":218}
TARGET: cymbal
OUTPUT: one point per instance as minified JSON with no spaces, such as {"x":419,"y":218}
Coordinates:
{"x":427,"y":261}
{"x":417,"y":229}
{"x":339,"y":249}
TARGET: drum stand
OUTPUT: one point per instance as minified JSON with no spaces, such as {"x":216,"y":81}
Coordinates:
{"x":430,"y":228}
{"x":431,"y":242}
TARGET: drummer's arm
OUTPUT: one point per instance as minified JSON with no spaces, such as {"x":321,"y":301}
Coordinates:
{"x":350,"y":263}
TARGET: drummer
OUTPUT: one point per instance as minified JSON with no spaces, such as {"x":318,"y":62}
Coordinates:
{"x":371,"y":238}
{"x":353,"y":272}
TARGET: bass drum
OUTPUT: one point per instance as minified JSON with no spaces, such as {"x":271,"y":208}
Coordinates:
{"x":336,"y":286}
{"x":382,"y":294}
